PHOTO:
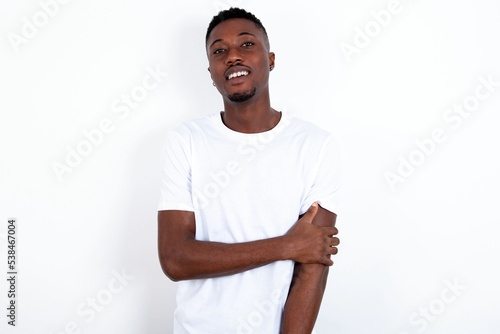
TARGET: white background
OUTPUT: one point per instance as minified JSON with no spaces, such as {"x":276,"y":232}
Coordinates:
{"x":401,"y":247}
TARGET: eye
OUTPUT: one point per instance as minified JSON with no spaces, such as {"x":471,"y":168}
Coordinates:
{"x":218,"y":51}
{"x":248,"y":44}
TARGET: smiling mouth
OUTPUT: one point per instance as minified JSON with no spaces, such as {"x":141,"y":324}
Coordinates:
{"x":237,"y":74}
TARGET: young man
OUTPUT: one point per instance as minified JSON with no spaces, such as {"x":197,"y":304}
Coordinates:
{"x":239,"y":222}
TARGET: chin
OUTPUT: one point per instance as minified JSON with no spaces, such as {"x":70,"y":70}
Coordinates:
{"x":242,"y":96}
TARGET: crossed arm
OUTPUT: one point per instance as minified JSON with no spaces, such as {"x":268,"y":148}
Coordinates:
{"x":310,"y":243}
{"x":307,"y":288}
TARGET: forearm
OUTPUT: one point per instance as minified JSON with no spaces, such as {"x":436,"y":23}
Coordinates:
{"x":203,"y":259}
{"x":307,"y":288}
{"x":183,"y":257}
{"x":304,"y":299}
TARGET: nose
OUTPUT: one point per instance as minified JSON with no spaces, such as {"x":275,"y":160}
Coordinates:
{"x":233,"y":57}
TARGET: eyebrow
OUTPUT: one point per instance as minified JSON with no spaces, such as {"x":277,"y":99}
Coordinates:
{"x":240,"y":34}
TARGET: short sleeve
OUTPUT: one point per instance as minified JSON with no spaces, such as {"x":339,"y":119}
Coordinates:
{"x":175,"y":174}
{"x":326,"y":181}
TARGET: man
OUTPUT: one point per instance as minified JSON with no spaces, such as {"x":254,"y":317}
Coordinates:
{"x":239,"y":222}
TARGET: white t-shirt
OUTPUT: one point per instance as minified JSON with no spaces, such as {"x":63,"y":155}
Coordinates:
{"x":244,"y":187}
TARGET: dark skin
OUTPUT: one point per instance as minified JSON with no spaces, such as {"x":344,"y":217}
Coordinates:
{"x":239,"y":45}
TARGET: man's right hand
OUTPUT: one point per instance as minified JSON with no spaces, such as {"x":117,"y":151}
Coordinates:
{"x":309,"y":243}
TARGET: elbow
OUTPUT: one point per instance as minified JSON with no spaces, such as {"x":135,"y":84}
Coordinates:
{"x":172,"y":268}
{"x":171,"y":274}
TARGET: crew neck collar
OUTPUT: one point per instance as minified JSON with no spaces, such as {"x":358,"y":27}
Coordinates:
{"x":217,"y":118}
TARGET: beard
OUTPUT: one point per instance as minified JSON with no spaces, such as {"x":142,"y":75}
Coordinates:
{"x":242,"y":96}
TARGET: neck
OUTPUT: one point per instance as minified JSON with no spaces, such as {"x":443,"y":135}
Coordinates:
{"x":252,"y":116}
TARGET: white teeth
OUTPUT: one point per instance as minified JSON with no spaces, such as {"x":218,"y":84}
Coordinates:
{"x":237,"y":74}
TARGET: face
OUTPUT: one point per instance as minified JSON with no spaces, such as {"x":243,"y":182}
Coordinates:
{"x":239,"y":59}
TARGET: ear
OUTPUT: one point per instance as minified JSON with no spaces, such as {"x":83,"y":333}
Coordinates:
{"x":208,"y":69}
{"x":271,"y":60}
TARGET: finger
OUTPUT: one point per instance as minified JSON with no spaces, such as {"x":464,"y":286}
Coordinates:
{"x":331,"y":231}
{"x":327,"y":262}
{"x":311,"y":213}
{"x":334,"y":241}
{"x":333,"y":250}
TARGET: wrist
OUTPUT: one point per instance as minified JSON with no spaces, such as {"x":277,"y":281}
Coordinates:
{"x":284,"y":248}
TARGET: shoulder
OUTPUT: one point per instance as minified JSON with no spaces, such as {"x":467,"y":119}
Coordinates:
{"x":308,"y":132}
{"x":202,"y":123}
{"x":182,"y":137}
{"x":309,"y":137}
{"x":189,"y":130}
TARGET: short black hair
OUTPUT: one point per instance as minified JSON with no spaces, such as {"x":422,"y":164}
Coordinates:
{"x":233,"y":13}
